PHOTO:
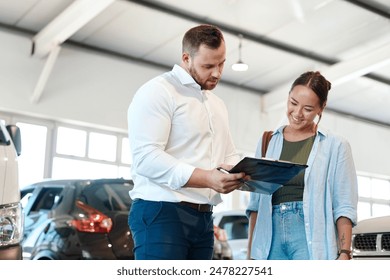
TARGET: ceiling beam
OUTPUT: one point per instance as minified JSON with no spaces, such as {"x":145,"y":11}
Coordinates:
{"x":358,"y":118}
{"x":261,"y":39}
{"x":164,"y":8}
{"x":338,"y":74}
{"x":43,"y":78}
{"x":376,"y":8}
{"x":153,"y":63}
{"x":75,"y":16}
{"x":232,"y":30}
{"x":48,"y":41}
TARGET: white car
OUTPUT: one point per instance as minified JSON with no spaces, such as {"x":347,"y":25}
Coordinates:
{"x":235,"y":224}
{"x":11,"y":219}
{"x":371,"y":239}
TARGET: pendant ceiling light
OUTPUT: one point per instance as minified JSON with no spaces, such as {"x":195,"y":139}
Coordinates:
{"x":239,"y":65}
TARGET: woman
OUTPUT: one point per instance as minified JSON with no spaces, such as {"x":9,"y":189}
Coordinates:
{"x":312,"y":216}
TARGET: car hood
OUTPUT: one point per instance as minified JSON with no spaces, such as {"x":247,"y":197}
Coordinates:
{"x":239,"y":248}
{"x":373,"y":225}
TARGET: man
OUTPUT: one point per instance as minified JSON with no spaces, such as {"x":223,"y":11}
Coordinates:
{"x":179,"y":134}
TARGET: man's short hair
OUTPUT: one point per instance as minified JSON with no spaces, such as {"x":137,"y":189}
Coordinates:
{"x":204,"y":34}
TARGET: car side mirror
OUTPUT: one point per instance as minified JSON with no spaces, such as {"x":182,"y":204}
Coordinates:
{"x":14,"y":133}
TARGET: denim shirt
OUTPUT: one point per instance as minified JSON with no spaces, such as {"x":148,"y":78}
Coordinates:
{"x":330,"y":192}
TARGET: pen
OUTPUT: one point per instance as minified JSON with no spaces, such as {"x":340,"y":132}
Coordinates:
{"x":223,"y":170}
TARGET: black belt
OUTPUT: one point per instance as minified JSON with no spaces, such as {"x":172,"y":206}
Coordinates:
{"x":198,"y":207}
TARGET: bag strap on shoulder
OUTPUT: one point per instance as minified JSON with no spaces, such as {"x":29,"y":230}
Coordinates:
{"x":267,"y":135}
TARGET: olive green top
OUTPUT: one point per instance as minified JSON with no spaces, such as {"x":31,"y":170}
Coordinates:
{"x":297,"y":152}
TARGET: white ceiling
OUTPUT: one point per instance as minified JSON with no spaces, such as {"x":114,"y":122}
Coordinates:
{"x":348,"y":41}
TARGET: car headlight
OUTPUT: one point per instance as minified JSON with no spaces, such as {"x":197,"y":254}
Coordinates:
{"x":11,"y":224}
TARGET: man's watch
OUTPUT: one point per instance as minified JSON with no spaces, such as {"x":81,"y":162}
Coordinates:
{"x":345,"y":251}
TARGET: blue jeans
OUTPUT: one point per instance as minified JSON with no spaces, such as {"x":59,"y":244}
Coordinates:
{"x":170,"y":231}
{"x":288,"y":232}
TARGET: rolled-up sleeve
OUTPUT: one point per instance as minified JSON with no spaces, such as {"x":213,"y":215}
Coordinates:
{"x":253,"y":204}
{"x":149,"y":119}
{"x":345,"y":195}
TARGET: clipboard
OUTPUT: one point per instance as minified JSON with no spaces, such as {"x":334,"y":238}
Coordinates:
{"x":266,"y":175}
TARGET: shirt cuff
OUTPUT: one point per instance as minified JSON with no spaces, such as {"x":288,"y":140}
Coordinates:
{"x":182,"y":173}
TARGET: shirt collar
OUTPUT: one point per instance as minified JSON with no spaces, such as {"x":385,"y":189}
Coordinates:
{"x":320,"y":131}
{"x":184,"y":77}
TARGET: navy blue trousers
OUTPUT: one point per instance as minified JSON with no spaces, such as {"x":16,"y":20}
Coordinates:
{"x":170,"y":231}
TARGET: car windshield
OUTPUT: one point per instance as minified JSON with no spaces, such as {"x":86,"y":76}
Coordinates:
{"x":107,"y":197}
{"x":236,"y":227}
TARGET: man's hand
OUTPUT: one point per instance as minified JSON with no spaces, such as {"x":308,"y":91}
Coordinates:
{"x":216,"y":179}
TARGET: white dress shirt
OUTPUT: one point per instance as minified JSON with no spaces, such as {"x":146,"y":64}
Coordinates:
{"x":174,"y":127}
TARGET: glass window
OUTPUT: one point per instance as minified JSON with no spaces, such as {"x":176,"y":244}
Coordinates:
{"x":108,"y":196}
{"x":80,"y":169}
{"x":374,"y":197}
{"x":102,"y":146}
{"x":71,"y":141}
{"x":124,"y":172}
{"x":380,"y":189}
{"x":380,"y":210}
{"x":25,"y":197}
{"x":364,"y":210}
{"x":32,"y":159}
{"x":236,"y":227}
{"x":57,"y":151}
{"x":364,"y":185}
{"x":126,"y":155}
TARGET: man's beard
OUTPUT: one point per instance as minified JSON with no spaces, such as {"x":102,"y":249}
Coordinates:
{"x":204,"y":85}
